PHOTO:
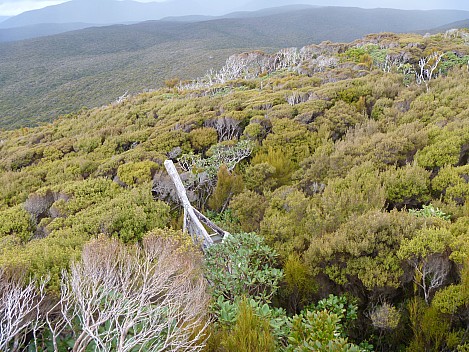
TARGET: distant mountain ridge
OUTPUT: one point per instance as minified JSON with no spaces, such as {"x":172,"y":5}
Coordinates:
{"x":240,"y":14}
{"x":86,"y":13}
{"x":129,"y":11}
{"x":45,"y":29}
{"x":109,"y":12}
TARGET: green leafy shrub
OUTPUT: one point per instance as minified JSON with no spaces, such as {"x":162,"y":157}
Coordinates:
{"x":249,"y":208}
{"x":269,"y":170}
{"x":44,"y":258}
{"x":87,"y":145}
{"x":250,"y":333}
{"x":355,"y":53}
{"x":227,"y":220}
{"x":445,"y":151}
{"x":137,"y":172}
{"x":407,"y":186}
{"x":203,"y":138}
{"x":361,"y":190}
{"x":16,"y":222}
{"x":429,"y":211}
{"x":340,"y":118}
{"x":345,"y":310}
{"x":451,"y":183}
{"x":291,"y":138}
{"x":380,"y":108}
{"x":228,"y":185}
{"x":451,"y":299}
{"x":363,"y":251}
{"x":318,"y":331}
{"x":430,"y":328}
{"x":258,"y":129}
{"x":450,"y":60}
{"x":227,"y":312}
{"x":243,"y":265}
{"x":299,"y":284}
{"x":425,"y":242}
{"x":127,"y":214}
{"x":289,"y":217}
{"x":261,"y":177}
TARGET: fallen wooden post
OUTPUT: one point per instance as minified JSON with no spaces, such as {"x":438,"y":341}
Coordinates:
{"x":193,"y":219}
{"x":210,"y":224}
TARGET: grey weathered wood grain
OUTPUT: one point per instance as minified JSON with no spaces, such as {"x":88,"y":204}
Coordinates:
{"x":190,"y":217}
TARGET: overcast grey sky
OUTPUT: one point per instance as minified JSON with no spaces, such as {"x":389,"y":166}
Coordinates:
{"x":14,"y":7}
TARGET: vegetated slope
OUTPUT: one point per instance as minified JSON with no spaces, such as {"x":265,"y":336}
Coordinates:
{"x":39,"y":30}
{"x":454,"y":25}
{"x":358,"y":177}
{"x":45,"y":77}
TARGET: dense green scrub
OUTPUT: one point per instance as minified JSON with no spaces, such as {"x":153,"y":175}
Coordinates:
{"x":357,"y":178}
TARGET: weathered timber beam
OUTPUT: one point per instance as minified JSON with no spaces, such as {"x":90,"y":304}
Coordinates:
{"x":188,"y":209}
{"x":210,"y":224}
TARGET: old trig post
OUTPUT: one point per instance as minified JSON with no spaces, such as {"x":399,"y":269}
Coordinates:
{"x":193,"y":219}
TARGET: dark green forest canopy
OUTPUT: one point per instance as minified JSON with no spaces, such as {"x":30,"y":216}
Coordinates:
{"x":358,"y":168}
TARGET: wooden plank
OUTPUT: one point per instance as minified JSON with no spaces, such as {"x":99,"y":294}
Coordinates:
{"x":184,"y":219}
{"x":217,"y":238}
{"x":200,"y":230}
{"x":210,"y":224}
{"x":181,"y":191}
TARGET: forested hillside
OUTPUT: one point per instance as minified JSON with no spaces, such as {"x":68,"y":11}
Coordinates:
{"x":340,"y":168}
{"x":43,"y":78}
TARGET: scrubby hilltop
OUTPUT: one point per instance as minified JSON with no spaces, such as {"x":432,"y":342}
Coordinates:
{"x":354,"y":171}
